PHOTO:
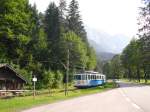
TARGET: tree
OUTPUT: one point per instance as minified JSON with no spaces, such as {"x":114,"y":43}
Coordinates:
{"x":53,"y":32}
{"x":16,"y":28}
{"x":62,"y":16}
{"x":52,"y":24}
{"x":144,"y":34}
{"x":126,"y":61}
{"x":38,"y":43}
{"x":77,"y":51}
{"x":49,"y":79}
{"x":116,"y":67}
{"x":62,"y":8}
{"x":92,"y":62}
{"x":113,"y":68}
{"x":106,"y":70}
{"x":58,"y":78}
{"x":131,"y":59}
{"x":75,"y":23}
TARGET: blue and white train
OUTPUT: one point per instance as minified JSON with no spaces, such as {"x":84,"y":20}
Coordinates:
{"x":89,"y":79}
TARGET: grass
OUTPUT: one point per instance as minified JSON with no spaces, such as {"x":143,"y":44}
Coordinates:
{"x":142,"y":81}
{"x":17,"y":104}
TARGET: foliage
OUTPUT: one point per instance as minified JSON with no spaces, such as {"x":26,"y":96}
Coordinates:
{"x":114,"y":69}
{"x":49,"y":79}
{"x":72,"y":45}
{"x":92,"y":62}
{"x":36,"y":43}
{"x":129,"y":64}
{"x":75,"y":23}
{"x":58,"y":79}
{"x":144,"y":34}
{"x":107,"y":71}
{"x":15,"y":28}
{"x":77,"y":49}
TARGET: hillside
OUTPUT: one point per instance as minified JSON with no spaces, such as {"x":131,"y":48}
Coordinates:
{"x":104,"y":42}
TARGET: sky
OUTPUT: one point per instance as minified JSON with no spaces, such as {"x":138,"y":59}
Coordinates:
{"x":111,"y":16}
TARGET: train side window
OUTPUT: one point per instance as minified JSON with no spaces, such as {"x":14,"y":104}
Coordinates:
{"x":92,"y":77}
{"x":89,"y":78}
{"x":97,"y":77}
{"x":85,"y":77}
{"x":82,"y":78}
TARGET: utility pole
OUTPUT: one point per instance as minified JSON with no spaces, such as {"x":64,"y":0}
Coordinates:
{"x":67,"y":74}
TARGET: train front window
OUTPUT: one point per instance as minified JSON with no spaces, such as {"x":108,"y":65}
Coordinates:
{"x":78,"y":77}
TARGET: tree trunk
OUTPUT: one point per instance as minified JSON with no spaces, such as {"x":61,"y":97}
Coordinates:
{"x":49,"y":90}
{"x":145,"y":75}
{"x":138,"y":73}
{"x":129,"y":73}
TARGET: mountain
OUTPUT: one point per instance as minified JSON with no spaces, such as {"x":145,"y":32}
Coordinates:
{"x":106,"y":45}
{"x":105,"y":42}
{"x":105,"y":56}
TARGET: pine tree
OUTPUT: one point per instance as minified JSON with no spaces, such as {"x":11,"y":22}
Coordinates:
{"x":75,"y":23}
{"x":52,"y":24}
{"x":62,"y":16}
{"x":53,"y":32}
{"x":62,"y":8}
{"x":144,"y":34}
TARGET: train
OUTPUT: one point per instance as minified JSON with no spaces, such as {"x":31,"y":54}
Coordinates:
{"x":89,"y":79}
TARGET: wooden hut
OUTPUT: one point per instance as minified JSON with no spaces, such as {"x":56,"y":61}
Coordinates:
{"x":10,"y":79}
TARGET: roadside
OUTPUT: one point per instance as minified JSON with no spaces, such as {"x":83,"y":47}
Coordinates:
{"x":19,"y":103}
{"x":142,"y":81}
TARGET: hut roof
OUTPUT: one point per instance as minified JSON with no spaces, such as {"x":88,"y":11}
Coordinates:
{"x":15,"y":72}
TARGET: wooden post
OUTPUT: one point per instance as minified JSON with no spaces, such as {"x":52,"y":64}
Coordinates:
{"x":5,"y":88}
{"x":34,"y":80}
{"x":34,"y":90}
